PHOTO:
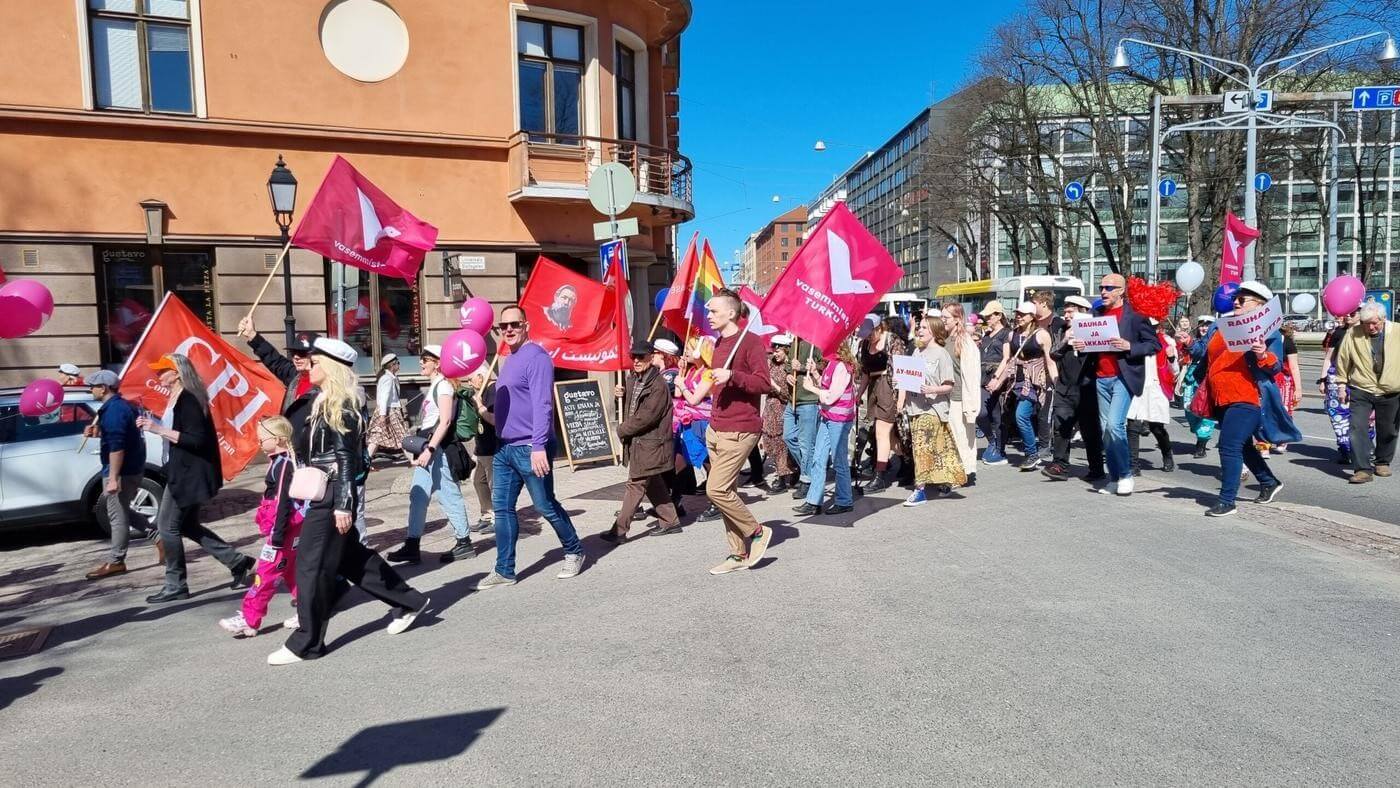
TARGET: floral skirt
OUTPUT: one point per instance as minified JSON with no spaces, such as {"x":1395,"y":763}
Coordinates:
{"x":388,"y":429}
{"x":771,"y":443}
{"x":936,"y":459}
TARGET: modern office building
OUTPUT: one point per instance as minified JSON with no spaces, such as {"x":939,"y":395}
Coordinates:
{"x":775,"y":245}
{"x":137,"y":138}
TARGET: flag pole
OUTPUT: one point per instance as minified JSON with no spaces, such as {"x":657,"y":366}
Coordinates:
{"x":270,"y":275}
{"x":655,"y":324}
{"x":735,"y":349}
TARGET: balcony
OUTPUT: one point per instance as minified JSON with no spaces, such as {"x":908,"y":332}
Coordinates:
{"x":555,"y":168}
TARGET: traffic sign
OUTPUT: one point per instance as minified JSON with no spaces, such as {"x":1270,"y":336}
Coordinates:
{"x":611,"y":188}
{"x":616,"y":228}
{"x":1376,"y":97}
{"x":1166,"y":187}
{"x":1074,"y":191}
{"x":1263,"y":181}
{"x":1237,"y":101}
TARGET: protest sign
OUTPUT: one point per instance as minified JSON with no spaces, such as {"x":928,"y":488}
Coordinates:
{"x":1097,"y":333}
{"x":908,"y":372}
{"x":1241,"y":331}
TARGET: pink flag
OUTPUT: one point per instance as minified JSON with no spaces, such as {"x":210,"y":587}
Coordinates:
{"x":756,"y":324}
{"x":837,"y":276}
{"x":351,"y":221}
{"x":1238,"y":235}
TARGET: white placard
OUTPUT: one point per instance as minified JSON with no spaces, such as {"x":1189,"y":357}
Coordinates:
{"x":908,"y":372}
{"x":471,"y":262}
{"x":1097,"y":333}
{"x":1241,"y":331}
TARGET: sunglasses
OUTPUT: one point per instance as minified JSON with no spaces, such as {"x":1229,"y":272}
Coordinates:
{"x":1109,"y":288}
{"x":512,"y":325}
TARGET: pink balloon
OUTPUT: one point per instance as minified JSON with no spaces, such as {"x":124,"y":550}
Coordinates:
{"x":25,"y":306}
{"x":476,"y":313}
{"x":463,"y":352}
{"x":41,"y":398}
{"x":974,"y":319}
{"x":1343,"y":295}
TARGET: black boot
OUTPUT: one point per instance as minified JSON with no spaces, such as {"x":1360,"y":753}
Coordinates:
{"x":1168,"y":462}
{"x":1200,"y":451}
{"x":1134,"y":445}
{"x":408,"y":554}
{"x":462,"y":549}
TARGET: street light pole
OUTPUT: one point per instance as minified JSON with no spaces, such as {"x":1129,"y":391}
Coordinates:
{"x":282,"y":191}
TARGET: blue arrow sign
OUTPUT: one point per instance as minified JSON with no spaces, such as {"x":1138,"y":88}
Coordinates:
{"x":1376,"y":97}
{"x":1074,"y":191}
{"x":1166,"y":187}
{"x":1263,"y":181}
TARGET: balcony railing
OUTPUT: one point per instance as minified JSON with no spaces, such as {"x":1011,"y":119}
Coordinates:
{"x":567,"y":160}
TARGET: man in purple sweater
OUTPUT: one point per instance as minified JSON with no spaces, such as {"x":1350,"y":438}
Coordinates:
{"x":525,"y":429}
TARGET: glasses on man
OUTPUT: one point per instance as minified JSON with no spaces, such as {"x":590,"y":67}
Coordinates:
{"x":510,"y":325}
{"x":1109,"y":288}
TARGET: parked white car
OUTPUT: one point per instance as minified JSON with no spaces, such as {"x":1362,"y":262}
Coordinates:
{"x":48,"y":473}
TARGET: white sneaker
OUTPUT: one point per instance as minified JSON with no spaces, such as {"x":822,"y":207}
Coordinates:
{"x":292,"y":623}
{"x":237,"y":626}
{"x":283,"y":656}
{"x":493,"y":580}
{"x":573,"y":564}
{"x":1125,"y":486}
{"x":405,"y":620}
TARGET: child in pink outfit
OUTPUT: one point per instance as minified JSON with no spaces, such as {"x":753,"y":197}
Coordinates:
{"x":279,"y":519}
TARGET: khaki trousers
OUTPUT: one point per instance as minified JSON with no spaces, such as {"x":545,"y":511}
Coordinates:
{"x":729,"y":451}
{"x":655,"y":489}
{"x":964,"y":436}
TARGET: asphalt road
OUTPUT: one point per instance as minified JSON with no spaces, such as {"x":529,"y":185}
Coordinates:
{"x":1028,"y":632}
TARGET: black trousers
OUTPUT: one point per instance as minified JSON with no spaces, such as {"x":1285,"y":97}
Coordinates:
{"x":756,"y":471}
{"x":1081,"y":413}
{"x":324,"y":554}
{"x":1137,"y":429}
{"x":990,"y":421}
{"x":1387,"y":410}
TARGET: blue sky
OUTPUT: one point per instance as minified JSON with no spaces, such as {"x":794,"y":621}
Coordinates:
{"x":762,"y":80}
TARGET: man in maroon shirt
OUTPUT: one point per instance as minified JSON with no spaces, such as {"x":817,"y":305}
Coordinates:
{"x":741,"y":380}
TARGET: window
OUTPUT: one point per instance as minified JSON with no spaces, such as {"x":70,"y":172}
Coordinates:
{"x":625,"y":66}
{"x":132,"y":280}
{"x":783,"y":240}
{"x":785,"y":256}
{"x":382,"y":315}
{"x":551,"y":79}
{"x":141,"y":55}
{"x":68,"y":421}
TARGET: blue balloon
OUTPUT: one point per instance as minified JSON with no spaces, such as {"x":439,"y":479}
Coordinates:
{"x":1098,"y":304}
{"x":661,"y":296}
{"x":1224,"y":300}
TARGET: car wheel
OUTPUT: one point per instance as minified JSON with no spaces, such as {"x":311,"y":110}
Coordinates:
{"x":145,"y":504}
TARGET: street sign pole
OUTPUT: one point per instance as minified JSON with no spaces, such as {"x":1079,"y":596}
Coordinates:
{"x":1154,"y":206}
{"x":1251,"y":167}
{"x":1332,"y":202}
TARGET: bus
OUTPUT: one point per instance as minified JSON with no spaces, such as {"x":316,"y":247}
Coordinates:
{"x":904,"y":305}
{"x":1009,"y":291}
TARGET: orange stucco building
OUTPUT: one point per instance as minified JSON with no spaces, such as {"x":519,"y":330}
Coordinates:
{"x":137,"y":137}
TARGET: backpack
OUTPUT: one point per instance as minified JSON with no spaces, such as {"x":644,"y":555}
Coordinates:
{"x":468,"y":420}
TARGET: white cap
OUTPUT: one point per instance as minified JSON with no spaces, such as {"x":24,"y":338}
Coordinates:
{"x":666,"y":346}
{"x":933,"y":311}
{"x":388,"y":359}
{"x":69,"y":369}
{"x":1255,"y":287}
{"x":782,"y":340}
{"x":1025,"y":308}
{"x":432,"y":350}
{"x":334,"y":348}
{"x":1205,"y":319}
{"x":1079,"y":301}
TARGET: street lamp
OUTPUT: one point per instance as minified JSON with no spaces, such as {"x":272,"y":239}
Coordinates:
{"x":282,"y":191}
{"x":1252,"y":81}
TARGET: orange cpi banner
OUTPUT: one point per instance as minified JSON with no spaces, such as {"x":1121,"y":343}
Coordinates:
{"x":241,"y":391}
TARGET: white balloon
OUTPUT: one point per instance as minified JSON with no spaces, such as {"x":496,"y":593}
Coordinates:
{"x":1304,"y":303}
{"x":1190,"y":276}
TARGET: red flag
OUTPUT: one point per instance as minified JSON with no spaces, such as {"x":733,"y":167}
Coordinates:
{"x":840,"y":272}
{"x":676,"y":312}
{"x":351,"y":221}
{"x":574,"y":318}
{"x":1238,"y":235}
{"x":241,"y":391}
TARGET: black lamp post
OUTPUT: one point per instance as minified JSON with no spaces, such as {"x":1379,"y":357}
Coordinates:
{"x":282,"y":190}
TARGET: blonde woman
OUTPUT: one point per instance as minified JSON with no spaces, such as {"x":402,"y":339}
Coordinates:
{"x":936,"y":460}
{"x":331,"y":440}
{"x":965,"y":400}
{"x":193,"y":475}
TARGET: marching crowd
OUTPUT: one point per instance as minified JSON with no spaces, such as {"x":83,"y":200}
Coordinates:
{"x":778,"y":406}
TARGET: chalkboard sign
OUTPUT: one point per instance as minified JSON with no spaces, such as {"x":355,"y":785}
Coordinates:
{"x":588,"y":435}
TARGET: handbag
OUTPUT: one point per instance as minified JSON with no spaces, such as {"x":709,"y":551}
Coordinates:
{"x":1200,"y":401}
{"x":309,"y":483}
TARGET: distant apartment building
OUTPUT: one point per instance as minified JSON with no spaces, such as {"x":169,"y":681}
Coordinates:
{"x":748,"y":261}
{"x":776,"y":244}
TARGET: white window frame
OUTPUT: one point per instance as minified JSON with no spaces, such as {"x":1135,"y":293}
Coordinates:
{"x":201,"y":106}
{"x":592,"y":108}
{"x":641,"y":86}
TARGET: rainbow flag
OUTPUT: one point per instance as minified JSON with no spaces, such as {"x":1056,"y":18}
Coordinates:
{"x":697,"y":280}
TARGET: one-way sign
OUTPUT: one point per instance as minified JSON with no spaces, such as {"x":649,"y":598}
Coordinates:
{"x":1237,"y":101}
{"x":1376,"y":97}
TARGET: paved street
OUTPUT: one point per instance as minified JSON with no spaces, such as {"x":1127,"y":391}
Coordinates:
{"x":1028,"y":632}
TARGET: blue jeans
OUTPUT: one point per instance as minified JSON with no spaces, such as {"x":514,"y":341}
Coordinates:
{"x":510,"y":471}
{"x":1237,"y":428}
{"x":436,"y":477}
{"x":833,"y":443}
{"x":800,"y":434}
{"x":1114,"y":399}
{"x":1026,"y":423}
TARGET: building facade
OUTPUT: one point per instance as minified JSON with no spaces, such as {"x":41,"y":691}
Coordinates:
{"x":775,"y":245}
{"x":137,"y":138}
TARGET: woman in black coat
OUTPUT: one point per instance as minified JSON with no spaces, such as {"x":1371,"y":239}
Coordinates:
{"x":331,"y":439}
{"x":193,"y":474}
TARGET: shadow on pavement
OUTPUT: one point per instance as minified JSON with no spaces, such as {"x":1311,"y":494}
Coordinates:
{"x":14,"y":688}
{"x":93,"y":625}
{"x":378,"y":749}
